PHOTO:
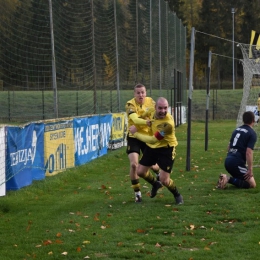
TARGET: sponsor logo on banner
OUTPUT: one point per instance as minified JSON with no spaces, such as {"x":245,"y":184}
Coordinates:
{"x":91,"y":137}
{"x":24,"y":155}
{"x":118,"y":132}
{"x":58,"y":147}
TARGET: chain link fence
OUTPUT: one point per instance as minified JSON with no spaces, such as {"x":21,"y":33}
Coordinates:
{"x":69,"y":58}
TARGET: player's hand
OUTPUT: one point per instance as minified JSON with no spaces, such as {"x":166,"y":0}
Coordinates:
{"x":132,"y":129}
{"x":248,"y":175}
{"x":149,"y":123}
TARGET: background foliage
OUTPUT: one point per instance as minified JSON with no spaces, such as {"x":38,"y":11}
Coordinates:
{"x":91,"y":45}
{"x":215,"y":18}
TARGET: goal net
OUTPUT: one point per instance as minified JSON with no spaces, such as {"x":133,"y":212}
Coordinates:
{"x":251,"y":90}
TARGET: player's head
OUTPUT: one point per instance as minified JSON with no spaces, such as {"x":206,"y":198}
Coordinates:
{"x":248,"y":117}
{"x":161,"y":107}
{"x":140,"y":93}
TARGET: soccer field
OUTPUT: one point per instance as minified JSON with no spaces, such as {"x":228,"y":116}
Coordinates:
{"x":89,"y":211}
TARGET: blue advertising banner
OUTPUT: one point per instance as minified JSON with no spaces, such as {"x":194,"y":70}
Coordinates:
{"x":105,"y":132}
{"x":91,"y":137}
{"x":24,"y":160}
{"x":2,"y":162}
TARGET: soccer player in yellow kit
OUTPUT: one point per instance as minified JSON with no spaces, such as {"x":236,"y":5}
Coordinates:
{"x":137,"y":110}
{"x":160,"y":149}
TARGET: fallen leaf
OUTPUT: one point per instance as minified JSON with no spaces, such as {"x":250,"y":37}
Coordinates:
{"x":157,"y":245}
{"x":47,"y":242}
{"x":86,"y":242}
{"x":96,"y":217}
{"x":50,"y":253}
{"x":64,"y":253}
{"x":212,"y":243}
{"x":103,"y":227}
{"x":140,"y":231}
{"x":58,"y":234}
{"x":78,"y":249}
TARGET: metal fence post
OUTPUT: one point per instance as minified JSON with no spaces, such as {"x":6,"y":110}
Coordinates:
{"x":54,"y":81}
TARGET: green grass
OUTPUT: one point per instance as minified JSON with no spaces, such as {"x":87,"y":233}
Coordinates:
{"x":26,"y":106}
{"x":89,"y":211}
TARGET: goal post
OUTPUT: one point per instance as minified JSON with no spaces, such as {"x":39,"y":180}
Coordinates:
{"x":251,"y":90}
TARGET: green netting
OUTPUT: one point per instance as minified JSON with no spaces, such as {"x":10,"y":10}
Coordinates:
{"x":101,"y":50}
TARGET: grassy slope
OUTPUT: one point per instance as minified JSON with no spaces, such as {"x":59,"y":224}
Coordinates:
{"x":28,"y":105}
{"x":89,"y":211}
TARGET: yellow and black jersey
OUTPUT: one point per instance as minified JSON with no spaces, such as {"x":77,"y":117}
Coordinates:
{"x":164,"y":131}
{"x":142,"y":111}
{"x":161,"y":133}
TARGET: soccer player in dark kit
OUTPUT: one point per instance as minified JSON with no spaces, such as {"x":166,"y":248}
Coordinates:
{"x":239,"y":160}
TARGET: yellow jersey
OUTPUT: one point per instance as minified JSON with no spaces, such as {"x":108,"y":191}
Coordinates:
{"x":164,"y":131}
{"x":142,"y":111}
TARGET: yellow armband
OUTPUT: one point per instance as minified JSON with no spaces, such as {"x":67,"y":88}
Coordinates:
{"x":137,"y":120}
{"x":146,"y":138}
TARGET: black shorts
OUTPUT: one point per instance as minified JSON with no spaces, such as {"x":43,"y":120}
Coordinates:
{"x":235,"y":167}
{"x":134,"y":145}
{"x":164,"y":157}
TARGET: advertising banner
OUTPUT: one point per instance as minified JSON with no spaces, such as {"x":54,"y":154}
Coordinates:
{"x":254,"y":110}
{"x":24,"y":160}
{"x":2,"y":162}
{"x":91,"y":137}
{"x":118,"y":131}
{"x":104,"y":133}
{"x":58,"y":147}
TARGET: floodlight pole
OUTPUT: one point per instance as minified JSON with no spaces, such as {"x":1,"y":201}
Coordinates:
{"x":233,"y":22}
